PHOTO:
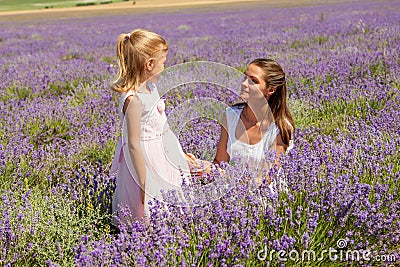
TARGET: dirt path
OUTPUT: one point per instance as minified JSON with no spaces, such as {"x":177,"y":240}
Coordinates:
{"x":126,"y":5}
{"x":143,"y":6}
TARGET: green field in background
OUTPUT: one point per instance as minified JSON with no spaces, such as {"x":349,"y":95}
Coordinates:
{"x":13,"y":5}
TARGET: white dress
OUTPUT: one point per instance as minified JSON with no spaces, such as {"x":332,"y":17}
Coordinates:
{"x":252,"y":155}
{"x":163,"y":154}
{"x":249,"y":153}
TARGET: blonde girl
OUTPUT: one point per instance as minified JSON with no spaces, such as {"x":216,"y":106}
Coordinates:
{"x":148,"y":157}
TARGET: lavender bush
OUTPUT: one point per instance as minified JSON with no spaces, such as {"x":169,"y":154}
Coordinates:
{"x":59,"y":126}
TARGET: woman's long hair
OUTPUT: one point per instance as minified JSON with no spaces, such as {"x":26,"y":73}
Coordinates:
{"x":274,"y":76}
{"x":133,"y":49}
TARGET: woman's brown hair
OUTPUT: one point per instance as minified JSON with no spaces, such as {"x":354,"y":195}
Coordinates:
{"x":275,"y":76}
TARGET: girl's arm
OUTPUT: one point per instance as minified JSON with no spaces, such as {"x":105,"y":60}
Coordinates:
{"x":222,"y":152}
{"x":133,"y":113}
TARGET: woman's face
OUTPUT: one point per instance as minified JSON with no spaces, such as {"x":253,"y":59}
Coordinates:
{"x":253,"y":85}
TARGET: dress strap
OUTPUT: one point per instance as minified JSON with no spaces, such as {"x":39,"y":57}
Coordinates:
{"x":291,"y":142}
{"x":232,"y":118}
{"x":122,"y":100}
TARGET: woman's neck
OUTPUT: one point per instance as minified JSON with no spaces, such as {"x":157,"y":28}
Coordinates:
{"x":249,"y":115}
{"x":259,"y":115}
{"x":256,"y":111}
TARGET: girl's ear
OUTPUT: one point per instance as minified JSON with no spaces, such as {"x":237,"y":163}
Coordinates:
{"x":150,"y":64}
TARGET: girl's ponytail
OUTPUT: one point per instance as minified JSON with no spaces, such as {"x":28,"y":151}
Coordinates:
{"x":123,"y":55}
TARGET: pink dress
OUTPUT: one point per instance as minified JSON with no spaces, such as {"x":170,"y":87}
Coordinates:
{"x":163,"y":154}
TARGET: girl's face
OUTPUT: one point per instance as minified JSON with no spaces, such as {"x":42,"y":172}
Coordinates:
{"x":253,"y":85}
{"x":155,"y":66}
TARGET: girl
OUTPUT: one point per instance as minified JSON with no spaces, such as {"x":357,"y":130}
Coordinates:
{"x":148,"y":157}
{"x":263,"y":122}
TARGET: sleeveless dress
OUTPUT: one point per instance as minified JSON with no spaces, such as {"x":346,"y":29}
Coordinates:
{"x":163,"y":154}
{"x":253,"y":155}
{"x":250,"y":153}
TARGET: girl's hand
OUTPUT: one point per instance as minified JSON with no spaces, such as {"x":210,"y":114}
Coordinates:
{"x":197,"y":166}
{"x":191,"y":159}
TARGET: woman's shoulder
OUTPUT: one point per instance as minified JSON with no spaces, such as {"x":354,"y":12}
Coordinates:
{"x":232,"y":114}
{"x":236,"y":108}
{"x":239,"y":105}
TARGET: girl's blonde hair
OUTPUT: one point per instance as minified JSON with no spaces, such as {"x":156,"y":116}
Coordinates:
{"x":133,"y":50}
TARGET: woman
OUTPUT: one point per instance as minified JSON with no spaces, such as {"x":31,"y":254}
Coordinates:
{"x":262,"y":122}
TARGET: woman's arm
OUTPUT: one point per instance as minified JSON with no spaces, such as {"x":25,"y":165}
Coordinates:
{"x":133,"y":113}
{"x":222,"y":152}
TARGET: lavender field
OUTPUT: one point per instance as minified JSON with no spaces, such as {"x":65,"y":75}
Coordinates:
{"x":59,"y":127}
